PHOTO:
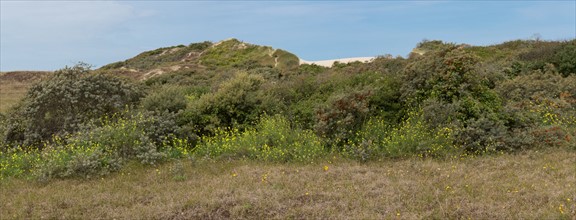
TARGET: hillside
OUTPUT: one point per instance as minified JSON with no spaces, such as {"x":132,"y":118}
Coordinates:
{"x":235,"y":130}
{"x":230,"y":53}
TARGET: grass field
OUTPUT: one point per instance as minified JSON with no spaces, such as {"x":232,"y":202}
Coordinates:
{"x":528,"y":185}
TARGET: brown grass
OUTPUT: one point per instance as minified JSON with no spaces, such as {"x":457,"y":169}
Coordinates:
{"x":531,"y":185}
{"x":14,"y":86}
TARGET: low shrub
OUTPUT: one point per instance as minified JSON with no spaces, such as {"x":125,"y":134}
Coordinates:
{"x":271,"y":140}
{"x":235,"y":103}
{"x":99,"y":150}
{"x":18,"y":161}
{"x":71,"y":160}
{"x":413,"y":137}
{"x":554,"y":136}
{"x":167,"y":98}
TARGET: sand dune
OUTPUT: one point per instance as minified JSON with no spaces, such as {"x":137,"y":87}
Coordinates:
{"x":328,"y":63}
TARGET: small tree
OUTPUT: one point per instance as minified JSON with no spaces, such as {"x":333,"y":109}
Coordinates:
{"x":339,"y":122}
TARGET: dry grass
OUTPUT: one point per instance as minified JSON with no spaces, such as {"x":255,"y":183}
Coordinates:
{"x":14,"y":86}
{"x":531,"y":185}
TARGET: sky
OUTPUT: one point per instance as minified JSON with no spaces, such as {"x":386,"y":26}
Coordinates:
{"x":49,"y":35}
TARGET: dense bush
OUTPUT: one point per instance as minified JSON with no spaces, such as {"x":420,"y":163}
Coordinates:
{"x":167,"y":98}
{"x":535,"y":86}
{"x":338,"y":122}
{"x":70,"y":98}
{"x":235,"y":103}
{"x":565,"y":59}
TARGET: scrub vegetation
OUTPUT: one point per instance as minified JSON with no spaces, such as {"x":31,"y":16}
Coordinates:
{"x":235,"y":130}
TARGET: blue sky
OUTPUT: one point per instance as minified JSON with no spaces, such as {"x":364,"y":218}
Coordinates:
{"x":48,"y":35}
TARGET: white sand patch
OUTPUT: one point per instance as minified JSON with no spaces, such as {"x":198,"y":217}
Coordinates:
{"x":329,"y":63}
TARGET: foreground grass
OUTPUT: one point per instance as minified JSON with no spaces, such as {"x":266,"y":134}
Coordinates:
{"x":530,"y":185}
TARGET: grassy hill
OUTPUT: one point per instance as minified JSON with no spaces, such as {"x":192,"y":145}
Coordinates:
{"x":230,"y":53}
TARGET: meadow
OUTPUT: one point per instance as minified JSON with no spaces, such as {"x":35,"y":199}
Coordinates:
{"x":527,"y":185}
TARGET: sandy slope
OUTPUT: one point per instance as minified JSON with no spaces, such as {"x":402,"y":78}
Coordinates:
{"x":328,"y":63}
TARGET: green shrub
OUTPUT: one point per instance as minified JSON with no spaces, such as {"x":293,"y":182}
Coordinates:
{"x":71,"y":160}
{"x":565,"y":59}
{"x":273,"y":139}
{"x":62,"y":103}
{"x":385,"y":98}
{"x":168,"y":98}
{"x":338,"y":123}
{"x":125,"y":138}
{"x":482,"y":135}
{"x":99,"y":150}
{"x":534,"y":86}
{"x":285,"y":60}
{"x":235,"y":103}
{"x":413,"y":137}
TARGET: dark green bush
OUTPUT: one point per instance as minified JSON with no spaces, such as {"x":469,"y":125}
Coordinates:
{"x":481,"y":135}
{"x":200,"y":46}
{"x":385,"y":98}
{"x":168,"y":98}
{"x":565,"y":59}
{"x":536,"y":85}
{"x":236,"y":103}
{"x":339,"y":122}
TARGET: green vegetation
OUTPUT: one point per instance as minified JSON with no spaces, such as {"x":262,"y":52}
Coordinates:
{"x":233,"y":102}
{"x":233,"y":53}
{"x":161,"y":57}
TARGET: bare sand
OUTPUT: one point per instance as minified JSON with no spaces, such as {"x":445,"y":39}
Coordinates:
{"x":329,"y":63}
